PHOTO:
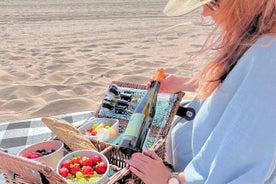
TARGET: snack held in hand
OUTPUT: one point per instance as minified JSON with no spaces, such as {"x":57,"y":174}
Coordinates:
{"x":68,"y":134}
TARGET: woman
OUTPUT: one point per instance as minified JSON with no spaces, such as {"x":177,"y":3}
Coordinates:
{"x":233,"y":136}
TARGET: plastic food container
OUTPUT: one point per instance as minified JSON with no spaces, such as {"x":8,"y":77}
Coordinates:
{"x":102,"y":129}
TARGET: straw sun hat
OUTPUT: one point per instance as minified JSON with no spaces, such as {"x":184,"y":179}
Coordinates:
{"x":181,"y":7}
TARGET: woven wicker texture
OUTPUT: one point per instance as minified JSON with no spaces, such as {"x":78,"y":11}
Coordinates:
{"x":117,"y":158}
{"x":22,"y":170}
{"x":19,"y":170}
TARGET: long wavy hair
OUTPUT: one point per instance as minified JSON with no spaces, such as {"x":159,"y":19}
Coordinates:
{"x":244,"y":21}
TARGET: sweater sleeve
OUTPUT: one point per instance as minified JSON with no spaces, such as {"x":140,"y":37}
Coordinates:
{"x":240,"y":148}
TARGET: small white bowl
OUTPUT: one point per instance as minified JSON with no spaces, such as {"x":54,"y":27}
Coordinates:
{"x":87,"y":153}
{"x":51,"y":159}
{"x":105,"y":137}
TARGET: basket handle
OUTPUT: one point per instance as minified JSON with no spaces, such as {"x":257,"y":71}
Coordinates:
{"x":118,"y":175}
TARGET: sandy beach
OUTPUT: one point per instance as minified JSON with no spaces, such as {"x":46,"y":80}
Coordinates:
{"x":60,"y":56}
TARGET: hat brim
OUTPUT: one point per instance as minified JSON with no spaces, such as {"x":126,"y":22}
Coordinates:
{"x":182,"y":7}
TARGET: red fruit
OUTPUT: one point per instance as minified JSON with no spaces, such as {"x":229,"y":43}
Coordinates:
{"x":76,"y":160}
{"x":63,"y":172}
{"x":94,"y":132}
{"x":89,"y":131}
{"x":75,"y":169}
{"x":96,"y":159}
{"x":28,"y":155}
{"x":87,"y":161}
{"x":101,"y":168}
{"x":66,"y":164}
{"x":33,"y":155}
{"x":87,"y":171}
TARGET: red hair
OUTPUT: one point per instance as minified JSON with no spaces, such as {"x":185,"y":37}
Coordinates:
{"x":243,"y":22}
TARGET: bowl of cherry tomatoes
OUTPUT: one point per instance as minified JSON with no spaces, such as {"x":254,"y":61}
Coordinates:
{"x":84,"y":166}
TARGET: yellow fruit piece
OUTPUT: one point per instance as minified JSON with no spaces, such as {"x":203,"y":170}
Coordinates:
{"x":113,"y":133}
{"x":102,"y":125}
{"x":109,"y":124}
{"x":95,"y":125}
{"x":107,"y":127}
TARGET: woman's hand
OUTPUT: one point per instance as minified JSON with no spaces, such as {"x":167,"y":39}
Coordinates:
{"x":173,"y":84}
{"x":149,"y":167}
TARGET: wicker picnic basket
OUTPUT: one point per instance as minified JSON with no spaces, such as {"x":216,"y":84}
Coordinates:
{"x":116,"y":157}
{"x":21,"y":170}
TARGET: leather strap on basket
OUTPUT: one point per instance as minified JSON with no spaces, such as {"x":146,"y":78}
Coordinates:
{"x":186,"y":112}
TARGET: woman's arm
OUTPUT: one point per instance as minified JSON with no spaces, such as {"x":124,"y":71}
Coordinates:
{"x":150,"y":168}
{"x":173,"y":84}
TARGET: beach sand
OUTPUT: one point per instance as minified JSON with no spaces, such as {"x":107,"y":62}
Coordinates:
{"x":59,"y":57}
